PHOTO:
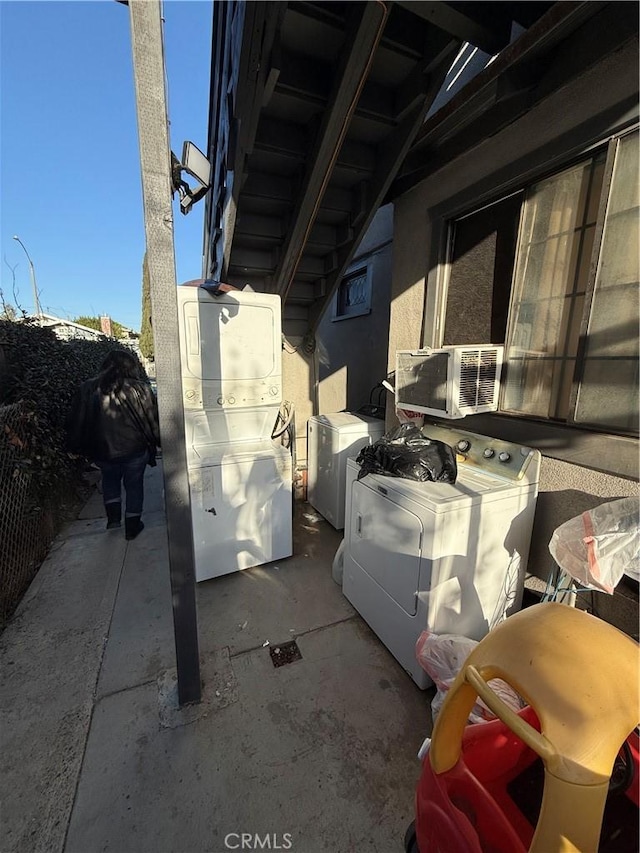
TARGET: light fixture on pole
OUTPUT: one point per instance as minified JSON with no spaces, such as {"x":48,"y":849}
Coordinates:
{"x":33,"y":277}
{"x":195,"y":164}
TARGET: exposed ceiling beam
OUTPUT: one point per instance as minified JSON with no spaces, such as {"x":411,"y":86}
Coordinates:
{"x":254,"y":225}
{"x":363,"y":32}
{"x":309,"y":79}
{"x":391,"y":155}
{"x":489,"y":39}
{"x":288,"y":139}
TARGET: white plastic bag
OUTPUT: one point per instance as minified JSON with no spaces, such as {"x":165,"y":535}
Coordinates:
{"x":599,"y":546}
{"x":442,"y":657}
{"x":337,"y":567}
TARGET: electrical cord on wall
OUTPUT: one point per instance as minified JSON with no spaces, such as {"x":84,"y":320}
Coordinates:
{"x":285,"y":416}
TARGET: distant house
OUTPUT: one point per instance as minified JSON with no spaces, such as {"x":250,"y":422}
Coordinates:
{"x":67,"y":330}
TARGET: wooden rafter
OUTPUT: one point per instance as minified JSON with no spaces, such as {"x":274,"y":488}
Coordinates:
{"x":360,"y":40}
{"x":390,"y":156}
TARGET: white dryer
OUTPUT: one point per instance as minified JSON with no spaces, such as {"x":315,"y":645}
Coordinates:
{"x":450,"y":558}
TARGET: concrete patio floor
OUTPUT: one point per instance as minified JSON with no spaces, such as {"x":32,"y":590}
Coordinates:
{"x":318,"y":755}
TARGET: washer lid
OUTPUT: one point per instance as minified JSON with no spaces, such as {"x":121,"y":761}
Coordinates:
{"x":471,"y":486}
{"x":349,"y":422}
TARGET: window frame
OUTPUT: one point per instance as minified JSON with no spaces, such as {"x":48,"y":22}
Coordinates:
{"x":589,"y":159}
{"x":601,"y":221}
{"x":362,"y":309}
{"x":610,"y":146}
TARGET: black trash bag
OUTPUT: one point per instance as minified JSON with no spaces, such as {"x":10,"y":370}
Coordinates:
{"x":406,"y":452}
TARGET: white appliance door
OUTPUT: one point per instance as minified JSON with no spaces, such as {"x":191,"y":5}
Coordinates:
{"x":229,"y":339}
{"x":386,"y":543}
{"x":241,"y":511}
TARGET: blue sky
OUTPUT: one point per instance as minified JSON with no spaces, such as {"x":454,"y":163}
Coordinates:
{"x":69,"y":162}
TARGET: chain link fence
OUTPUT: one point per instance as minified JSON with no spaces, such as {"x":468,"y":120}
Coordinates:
{"x":27,"y":524}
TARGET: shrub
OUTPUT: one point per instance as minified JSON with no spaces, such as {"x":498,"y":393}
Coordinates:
{"x":42,"y":373}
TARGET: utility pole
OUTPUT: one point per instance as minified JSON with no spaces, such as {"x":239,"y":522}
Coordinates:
{"x":155,"y":163}
{"x":32,"y":270}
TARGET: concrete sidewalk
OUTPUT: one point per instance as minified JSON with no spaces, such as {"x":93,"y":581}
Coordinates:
{"x":316,"y":755}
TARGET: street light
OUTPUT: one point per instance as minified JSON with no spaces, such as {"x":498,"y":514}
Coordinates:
{"x":33,"y":276}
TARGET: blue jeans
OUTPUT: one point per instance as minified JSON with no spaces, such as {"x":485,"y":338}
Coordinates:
{"x":131,"y":472}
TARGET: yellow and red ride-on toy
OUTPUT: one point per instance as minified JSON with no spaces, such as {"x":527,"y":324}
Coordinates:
{"x":580,"y":679}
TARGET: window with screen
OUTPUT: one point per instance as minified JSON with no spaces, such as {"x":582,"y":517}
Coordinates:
{"x":552,"y":272}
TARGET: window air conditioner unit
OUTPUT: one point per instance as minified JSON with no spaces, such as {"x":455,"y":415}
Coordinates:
{"x":450,"y":382}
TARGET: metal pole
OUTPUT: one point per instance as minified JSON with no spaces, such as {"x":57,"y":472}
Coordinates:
{"x":155,"y":163}
{"x":32,"y":270}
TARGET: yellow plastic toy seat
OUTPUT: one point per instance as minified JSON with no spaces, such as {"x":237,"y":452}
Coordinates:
{"x":581,"y":677}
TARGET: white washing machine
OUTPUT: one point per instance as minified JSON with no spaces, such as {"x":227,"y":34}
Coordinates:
{"x":331,"y":440}
{"x":240,"y":506}
{"x":450,"y":558}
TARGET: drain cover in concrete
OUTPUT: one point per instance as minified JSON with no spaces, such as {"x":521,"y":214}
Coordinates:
{"x":285,"y":653}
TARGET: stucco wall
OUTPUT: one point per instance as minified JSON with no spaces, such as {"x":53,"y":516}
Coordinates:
{"x":297,"y":386}
{"x":603,"y":100}
{"x":352,"y":353}
{"x":607,"y":90}
{"x":565,"y":492}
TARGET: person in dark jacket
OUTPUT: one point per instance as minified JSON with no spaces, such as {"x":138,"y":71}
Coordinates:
{"x":113,"y":421}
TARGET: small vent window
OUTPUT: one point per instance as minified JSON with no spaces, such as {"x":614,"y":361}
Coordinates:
{"x":353,"y":298}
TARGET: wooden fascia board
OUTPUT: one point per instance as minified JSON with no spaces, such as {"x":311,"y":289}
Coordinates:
{"x":460,"y":26}
{"x":503,"y":99}
{"x":554,"y":25}
{"x":261,"y":23}
{"x":360,"y":42}
{"x":215,"y":153}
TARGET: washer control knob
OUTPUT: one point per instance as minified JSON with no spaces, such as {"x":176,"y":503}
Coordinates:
{"x":504,"y":456}
{"x":190,"y":394}
{"x":463,"y":445}
{"x":489,"y":452}
{"x":273,"y":390}
{"x":231,"y":401}
{"x":220,"y":400}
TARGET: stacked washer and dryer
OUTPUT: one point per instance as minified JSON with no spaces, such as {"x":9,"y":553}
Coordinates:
{"x":240,"y":479}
